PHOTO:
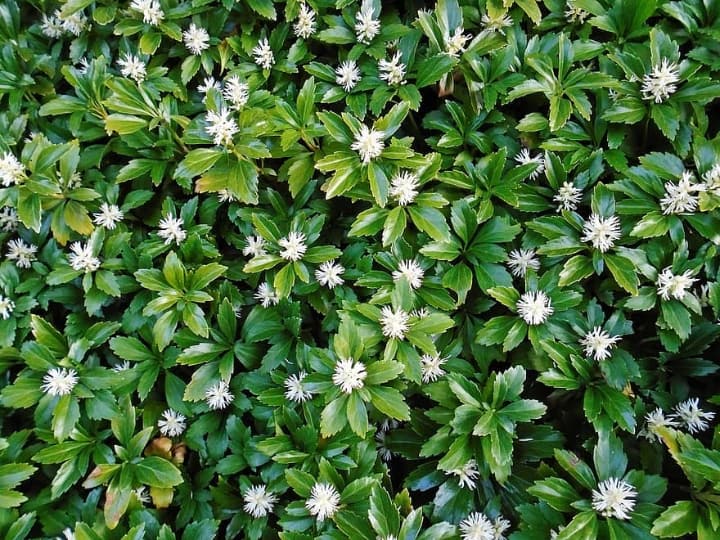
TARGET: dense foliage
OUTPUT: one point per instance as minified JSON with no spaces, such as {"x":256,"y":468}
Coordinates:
{"x":340,"y":269}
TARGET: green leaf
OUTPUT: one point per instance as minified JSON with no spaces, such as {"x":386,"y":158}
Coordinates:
{"x":458,"y":278}
{"x":164,"y":329}
{"x":678,"y":520}
{"x":264,"y":8}
{"x":677,"y":317}
{"x":300,"y":481}
{"x":618,"y":407}
{"x":665,"y":117}
{"x":107,"y":283}
{"x":157,"y":472}
{"x":560,"y":111}
{"x":197,"y":161}
{"x":333,"y":417}
{"x":117,"y":500}
{"x":383,"y":514}
{"x":395,"y":224}
{"x":624,"y":272}
{"x":390,"y":402}
{"x":430,"y":221}
{"x":558,"y":493}
{"x":576,"y":468}
{"x":507,"y":296}
{"x":392,"y":121}
{"x":13,"y":473}
{"x":651,"y":225}
{"x":430,"y":70}
{"x":575,"y":269}
{"x":357,"y":414}
{"x":65,"y":415}
{"x":584,"y":526}
{"x":124,"y":124}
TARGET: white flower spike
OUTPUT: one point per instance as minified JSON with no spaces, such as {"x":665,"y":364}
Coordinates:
{"x":614,"y":498}
{"x":324,"y":501}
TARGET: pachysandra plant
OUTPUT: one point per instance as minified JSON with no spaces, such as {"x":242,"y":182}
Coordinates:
{"x":359,"y":269}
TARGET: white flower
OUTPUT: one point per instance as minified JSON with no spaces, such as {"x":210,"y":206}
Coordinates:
{"x":661,"y":81}
{"x":294,"y":390}
{"x":382,"y":450}
{"x":366,"y":26}
{"x":394,"y":323}
{"x":224,"y":195}
{"x":221,"y":126}
{"x":294,"y":246}
{"x":431,"y":367}
{"x":712,"y":179}
{"x":349,"y":375}
{"x":598,"y":343}
{"x":108,"y":216}
{"x":467,"y":474}
{"x":218,"y":396}
{"x":368,"y":143}
{"x":500,"y":525}
{"x":328,"y":274}
{"x":8,"y":219}
{"x":305,"y":24}
{"x":477,"y":527}
{"x":123,"y":366}
{"x":266,"y":295}
{"x":347,"y":75}
{"x":456,"y":42}
{"x":208,"y":83}
{"x":82,"y":69}
{"x":534,"y":307}
{"x":263,"y":54}
{"x":82,"y":258}
{"x":387,"y":424}
{"x":392,"y":71}
{"x":654,"y":421}
{"x":171,"y":229}
{"x":196,"y":39}
{"x":602,"y":232}
{"x":236,"y":92}
{"x":172,"y":423}
{"x":142,"y":495}
{"x":258,"y":501}
{"x":68,"y":534}
{"x":669,"y":284}
{"x":693,"y":416}
{"x":74,"y":23}
{"x":324,"y":500}
{"x":6,"y":307}
{"x":151,"y":11}
{"x":254,"y":245}
{"x":403,"y":186}
{"x":574,"y":14}
{"x":51,"y":26}
{"x":411,"y":271}
{"x":520,"y":260}
{"x":12,"y":172}
{"x":614,"y":498}
{"x":496,"y":24}
{"x":23,"y":254}
{"x":682,"y":197}
{"x":567,"y":197}
{"x":132,"y":66}
{"x":420,"y":313}
{"x":523,"y":158}
{"x":59,"y":382}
